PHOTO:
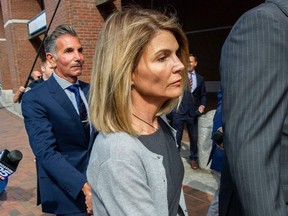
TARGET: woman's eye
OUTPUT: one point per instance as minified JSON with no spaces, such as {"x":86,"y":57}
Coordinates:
{"x":161,"y":58}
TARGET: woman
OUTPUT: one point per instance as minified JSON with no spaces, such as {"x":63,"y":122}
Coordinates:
{"x":138,"y":75}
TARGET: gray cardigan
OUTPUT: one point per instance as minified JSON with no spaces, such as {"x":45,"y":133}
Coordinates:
{"x":126,"y":178}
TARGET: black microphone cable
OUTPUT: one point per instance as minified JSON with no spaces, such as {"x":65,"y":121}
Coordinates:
{"x":39,"y":50}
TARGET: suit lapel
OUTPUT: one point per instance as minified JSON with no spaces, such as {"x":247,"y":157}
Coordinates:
{"x":85,"y":88}
{"x":61,"y":98}
{"x":198,"y":80}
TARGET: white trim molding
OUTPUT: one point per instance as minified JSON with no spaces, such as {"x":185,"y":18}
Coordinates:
{"x":2,"y":39}
{"x":11,"y":21}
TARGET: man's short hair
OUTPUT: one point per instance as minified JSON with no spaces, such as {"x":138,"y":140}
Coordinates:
{"x":50,"y":41}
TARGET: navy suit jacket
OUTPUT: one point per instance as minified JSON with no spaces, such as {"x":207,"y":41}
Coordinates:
{"x":216,"y":154}
{"x":58,"y":141}
{"x":191,"y":102}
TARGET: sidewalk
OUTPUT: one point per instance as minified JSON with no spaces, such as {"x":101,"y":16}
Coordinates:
{"x":19,"y":198}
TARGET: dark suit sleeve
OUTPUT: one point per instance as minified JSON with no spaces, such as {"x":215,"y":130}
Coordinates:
{"x":254,"y":78}
{"x":217,"y":120}
{"x":44,"y":143}
{"x":203,"y":93}
{"x":216,"y":154}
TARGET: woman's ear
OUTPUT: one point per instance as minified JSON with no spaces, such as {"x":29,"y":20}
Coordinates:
{"x":132,"y":78}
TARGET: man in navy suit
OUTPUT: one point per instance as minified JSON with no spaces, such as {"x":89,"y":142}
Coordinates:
{"x":254,"y":82}
{"x":59,"y":138}
{"x":191,"y":107}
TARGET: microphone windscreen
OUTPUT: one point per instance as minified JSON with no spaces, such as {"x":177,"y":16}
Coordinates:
{"x":15,"y":156}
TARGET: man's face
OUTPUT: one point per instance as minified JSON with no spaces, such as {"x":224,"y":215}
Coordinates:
{"x":192,"y":63}
{"x":47,"y":70}
{"x":36,"y":75}
{"x":69,"y":58}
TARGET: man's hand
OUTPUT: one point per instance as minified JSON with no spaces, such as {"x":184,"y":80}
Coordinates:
{"x":16,"y":96}
{"x":220,"y":129}
{"x":201,"y":109}
{"x":221,"y":147}
{"x":88,"y":197}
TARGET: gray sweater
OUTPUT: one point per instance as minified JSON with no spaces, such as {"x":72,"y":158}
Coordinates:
{"x":127,"y":179}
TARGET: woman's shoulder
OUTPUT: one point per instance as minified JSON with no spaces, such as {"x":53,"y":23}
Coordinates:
{"x":116,"y":139}
{"x":117,"y":145}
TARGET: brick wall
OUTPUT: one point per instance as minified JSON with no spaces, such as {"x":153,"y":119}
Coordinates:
{"x":86,"y":19}
{"x":4,"y":71}
{"x":18,"y":52}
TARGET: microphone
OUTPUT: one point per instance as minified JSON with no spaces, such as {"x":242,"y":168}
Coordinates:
{"x":9,"y":161}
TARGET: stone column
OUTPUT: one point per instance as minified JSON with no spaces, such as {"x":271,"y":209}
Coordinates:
{"x":205,"y":124}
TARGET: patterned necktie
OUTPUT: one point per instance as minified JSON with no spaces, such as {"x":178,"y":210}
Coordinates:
{"x":190,"y":81}
{"x":81,"y":108}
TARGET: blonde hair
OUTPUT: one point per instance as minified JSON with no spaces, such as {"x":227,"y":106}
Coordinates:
{"x":121,"y":43}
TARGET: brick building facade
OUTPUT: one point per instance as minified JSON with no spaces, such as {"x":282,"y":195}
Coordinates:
{"x":205,"y":23}
{"x":18,"y":49}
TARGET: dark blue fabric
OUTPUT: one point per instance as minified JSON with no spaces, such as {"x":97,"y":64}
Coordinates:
{"x":216,"y":154}
{"x":58,"y":141}
{"x":81,"y":108}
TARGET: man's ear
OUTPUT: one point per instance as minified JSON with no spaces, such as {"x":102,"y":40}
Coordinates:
{"x":51,"y":59}
{"x":42,"y":68}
